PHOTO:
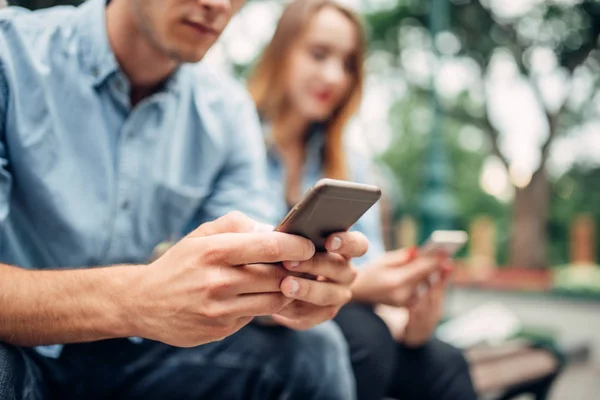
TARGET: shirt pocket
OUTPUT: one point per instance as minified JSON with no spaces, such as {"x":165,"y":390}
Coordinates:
{"x":177,"y":206}
{"x":34,"y":150}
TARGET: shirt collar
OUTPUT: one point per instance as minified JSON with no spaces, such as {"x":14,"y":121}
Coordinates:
{"x":98,"y":57}
{"x":97,"y":54}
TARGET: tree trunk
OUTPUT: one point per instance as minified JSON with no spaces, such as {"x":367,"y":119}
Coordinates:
{"x":530,"y":215}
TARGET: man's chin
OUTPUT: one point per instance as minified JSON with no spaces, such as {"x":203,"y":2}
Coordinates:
{"x":188,"y":55}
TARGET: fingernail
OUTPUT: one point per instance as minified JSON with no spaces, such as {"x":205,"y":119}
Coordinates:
{"x":412,"y":253}
{"x":434,"y":278}
{"x":336,"y":243}
{"x":293,"y":264}
{"x":295,"y":287}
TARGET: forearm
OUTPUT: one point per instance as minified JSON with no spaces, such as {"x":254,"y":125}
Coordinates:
{"x":66,"y":306}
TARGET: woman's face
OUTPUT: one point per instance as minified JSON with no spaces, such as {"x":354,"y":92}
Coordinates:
{"x":321,"y":68}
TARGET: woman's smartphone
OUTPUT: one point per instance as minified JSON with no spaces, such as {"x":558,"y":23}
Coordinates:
{"x":446,"y":242}
{"x":330,"y":206}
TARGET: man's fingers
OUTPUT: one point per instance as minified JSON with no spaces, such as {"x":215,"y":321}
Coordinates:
{"x":347,"y":244}
{"x":315,"y":292}
{"x":253,"y":305}
{"x":334,"y":267}
{"x":304,"y":316}
{"x":253,"y":248}
{"x":250,"y":278}
{"x":234,"y":222}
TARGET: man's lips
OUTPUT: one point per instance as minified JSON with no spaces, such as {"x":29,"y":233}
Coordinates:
{"x":201,"y":29}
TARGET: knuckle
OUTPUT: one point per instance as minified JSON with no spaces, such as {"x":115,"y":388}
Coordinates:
{"x":221,"y":285}
{"x":213,"y":253}
{"x":234,"y":219}
{"x":214,"y":311}
{"x":218,"y":282}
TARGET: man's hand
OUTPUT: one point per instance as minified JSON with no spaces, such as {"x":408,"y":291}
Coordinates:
{"x":396,"y":279}
{"x":214,"y":281}
{"x":319,"y":300}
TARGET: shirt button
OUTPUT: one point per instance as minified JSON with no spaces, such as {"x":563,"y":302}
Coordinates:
{"x":124,"y":204}
{"x":119,"y":86}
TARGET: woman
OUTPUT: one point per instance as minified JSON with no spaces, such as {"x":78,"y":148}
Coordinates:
{"x":306,"y":86}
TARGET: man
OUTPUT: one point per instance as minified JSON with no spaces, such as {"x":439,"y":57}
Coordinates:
{"x":111,"y":144}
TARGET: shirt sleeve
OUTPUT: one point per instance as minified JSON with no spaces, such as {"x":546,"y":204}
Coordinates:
{"x":370,"y":223}
{"x":242,"y":182}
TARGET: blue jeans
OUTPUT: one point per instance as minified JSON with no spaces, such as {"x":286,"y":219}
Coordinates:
{"x":255,"y":363}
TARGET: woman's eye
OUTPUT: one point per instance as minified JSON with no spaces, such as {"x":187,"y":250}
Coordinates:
{"x":318,"y":54}
{"x":349,"y":66}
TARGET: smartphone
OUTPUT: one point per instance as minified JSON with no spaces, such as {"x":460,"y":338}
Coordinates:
{"x":447,"y":242}
{"x":330,"y":206}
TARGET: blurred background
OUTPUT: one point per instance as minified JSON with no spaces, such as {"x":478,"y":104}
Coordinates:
{"x":483,"y":115}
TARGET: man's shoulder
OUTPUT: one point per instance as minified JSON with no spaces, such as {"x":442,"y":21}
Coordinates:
{"x":29,"y":22}
{"x":21,"y":29}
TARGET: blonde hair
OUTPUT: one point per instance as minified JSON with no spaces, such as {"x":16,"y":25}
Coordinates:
{"x":267,"y":82}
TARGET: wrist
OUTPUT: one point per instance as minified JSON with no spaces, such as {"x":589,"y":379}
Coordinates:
{"x":360,"y":290}
{"x":124,"y":317}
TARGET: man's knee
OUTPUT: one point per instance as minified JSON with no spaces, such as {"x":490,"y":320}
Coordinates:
{"x":20,"y":376}
{"x":12,"y":372}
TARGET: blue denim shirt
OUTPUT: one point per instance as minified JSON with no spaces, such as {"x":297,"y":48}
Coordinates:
{"x":359,"y":170}
{"x":88,"y":180}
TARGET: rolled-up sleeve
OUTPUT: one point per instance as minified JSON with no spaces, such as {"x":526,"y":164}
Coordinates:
{"x":5,"y":176}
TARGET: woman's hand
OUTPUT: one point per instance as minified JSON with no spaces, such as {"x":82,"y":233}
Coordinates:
{"x":415,"y":325}
{"x":396,"y":278}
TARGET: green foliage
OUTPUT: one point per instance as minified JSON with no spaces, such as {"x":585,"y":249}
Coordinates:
{"x":570,"y":30}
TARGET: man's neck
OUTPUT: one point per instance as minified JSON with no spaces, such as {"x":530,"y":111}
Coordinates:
{"x":145,"y":66}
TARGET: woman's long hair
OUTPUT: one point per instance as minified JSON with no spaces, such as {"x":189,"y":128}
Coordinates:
{"x":267,"y":82}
